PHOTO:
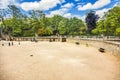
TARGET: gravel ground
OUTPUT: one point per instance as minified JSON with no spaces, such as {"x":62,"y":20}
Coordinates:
{"x":56,"y":61}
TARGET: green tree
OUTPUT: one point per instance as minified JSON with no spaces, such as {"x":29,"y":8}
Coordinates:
{"x":19,"y":24}
{"x":63,"y":26}
{"x":91,"y":20}
{"x":110,"y":23}
{"x":35,"y":20}
{"x":55,"y":21}
{"x":76,"y":26}
{"x":3,"y":16}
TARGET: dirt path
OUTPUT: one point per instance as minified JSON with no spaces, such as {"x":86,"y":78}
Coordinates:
{"x":56,"y":61}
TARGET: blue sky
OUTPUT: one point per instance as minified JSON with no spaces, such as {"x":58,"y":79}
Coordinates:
{"x":66,"y":8}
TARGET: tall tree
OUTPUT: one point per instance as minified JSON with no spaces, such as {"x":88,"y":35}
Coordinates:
{"x":35,"y":19}
{"x":91,"y":19}
{"x":110,"y":23}
{"x":17,"y":19}
{"x":63,"y":26}
{"x":55,"y":21}
{"x":3,"y":16}
{"x":76,"y":26}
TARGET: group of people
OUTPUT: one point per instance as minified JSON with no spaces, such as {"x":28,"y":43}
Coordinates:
{"x":10,"y":43}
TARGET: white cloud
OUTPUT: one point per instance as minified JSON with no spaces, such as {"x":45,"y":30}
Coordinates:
{"x":100,"y":13}
{"x":41,"y":5}
{"x":96,"y":5}
{"x":63,"y":11}
{"x":57,"y":12}
{"x":60,"y":11}
{"x":68,"y":5}
{"x":83,"y":17}
{"x":67,"y":15}
{"x":80,"y":17}
{"x":29,"y":5}
{"x":5,"y":3}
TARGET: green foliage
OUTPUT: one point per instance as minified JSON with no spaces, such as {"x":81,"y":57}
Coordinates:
{"x":95,"y":31}
{"x":20,"y":24}
{"x":44,"y":31}
{"x":110,"y":23}
{"x":63,"y":26}
{"x":76,"y":26}
{"x":118,"y":31}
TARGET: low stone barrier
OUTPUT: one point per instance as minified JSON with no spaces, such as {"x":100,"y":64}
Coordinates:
{"x":111,"y":47}
{"x":51,"y":39}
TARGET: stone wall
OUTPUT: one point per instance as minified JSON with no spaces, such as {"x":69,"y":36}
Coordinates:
{"x":112,"y":48}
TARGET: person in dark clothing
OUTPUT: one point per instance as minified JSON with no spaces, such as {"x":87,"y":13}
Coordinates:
{"x":9,"y":44}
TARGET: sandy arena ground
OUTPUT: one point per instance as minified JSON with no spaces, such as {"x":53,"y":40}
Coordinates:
{"x":56,"y":61}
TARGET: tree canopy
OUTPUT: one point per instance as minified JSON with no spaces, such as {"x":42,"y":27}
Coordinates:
{"x":35,"y":22}
{"x":91,"y":20}
{"x":109,"y":25}
{"x":16,"y":23}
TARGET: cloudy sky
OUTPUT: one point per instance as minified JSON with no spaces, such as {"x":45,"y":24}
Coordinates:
{"x":66,"y":8}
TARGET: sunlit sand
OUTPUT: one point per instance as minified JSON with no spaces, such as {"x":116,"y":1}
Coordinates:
{"x":55,"y":61}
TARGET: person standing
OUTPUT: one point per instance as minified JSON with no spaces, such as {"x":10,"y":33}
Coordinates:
{"x":9,"y":44}
{"x":19,"y":43}
{"x":12,"y":43}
